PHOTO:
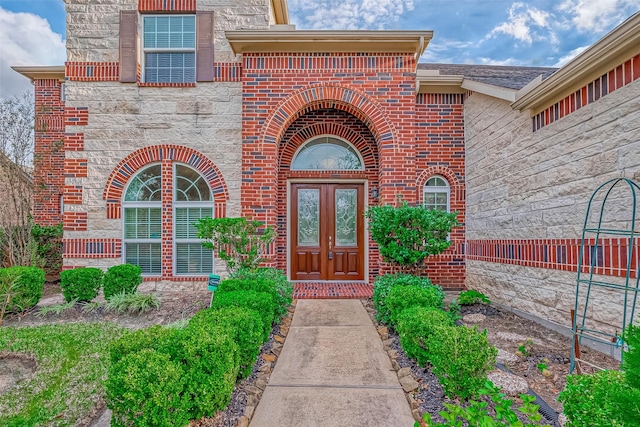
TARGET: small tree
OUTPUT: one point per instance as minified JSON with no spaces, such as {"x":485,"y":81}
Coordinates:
{"x":407,"y":235}
{"x":241,"y":243}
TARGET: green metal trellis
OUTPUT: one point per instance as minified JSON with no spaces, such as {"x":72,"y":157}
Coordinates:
{"x":627,"y":236}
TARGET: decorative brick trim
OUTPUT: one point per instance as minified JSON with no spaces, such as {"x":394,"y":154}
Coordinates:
{"x":150,"y":84}
{"x":92,"y":71}
{"x":74,"y":142}
{"x":76,"y":116}
{"x":203,"y":279}
{"x":74,"y":221}
{"x":440,"y":98}
{"x":559,"y":254}
{"x":329,"y":95}
{"x":75,"y":168}
{"x":72,"y":195}
{"x":167,"y":5}
{"x":92,"y":248}
{"x":334,"y":62}
{"x":227,"y":72}
{"x":135,"y":161}
{"x":611,"y":81}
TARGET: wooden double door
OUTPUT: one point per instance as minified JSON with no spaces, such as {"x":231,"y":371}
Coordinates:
{"x":327,"y":225}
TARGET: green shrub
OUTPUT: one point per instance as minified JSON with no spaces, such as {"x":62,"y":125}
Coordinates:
{"x":266,"y":286}
{"x":415,"y":327}
{"x":592,"y":400}
{"x":124,"y":278}
{"x":147,"y":388}
{"x":243,"y":324}
{"x":81,"y":284}
{"x":208,"y":362}
{"x":261,"y":302}
{"x":282,"y":286}
{"x":383,"y":285}
{"x":629,"y":402}
{"x":461,"y":358}
{"x":133,"y":303}
{"x":472,"y":297}
{"x":24,"y":284}
{"x":403,"y":297}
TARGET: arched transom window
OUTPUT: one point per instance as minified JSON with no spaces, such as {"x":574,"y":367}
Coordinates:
{"x":191,"y":199}
{"x":437,"y":193}
{"x":327,"y":153}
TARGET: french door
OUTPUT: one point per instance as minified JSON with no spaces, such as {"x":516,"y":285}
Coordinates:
{"x":327,"y":226}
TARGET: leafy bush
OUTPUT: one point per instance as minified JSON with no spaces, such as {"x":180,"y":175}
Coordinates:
{"x":476,"y":412}
{"x":48,"y":241}
{"x":383,"y":285}
{"x":282,"y":286}
{"x":20,"y":288}
{"x":241,"y":243}
{"x":205,"y":359}
{"x":259,"y":285}
{"x":415,"y":327}
{"x":133,"y":303}
{"x":461,"y":358}
{"x":592,"y":400}
{"x":403,"y":297}
{"x":243,"y":324}
{"x":81,"y":284}
{"x":147,"y":388}
{"x":261,"y":302}
{"x":124,"y":278}
{"x":472,"y":297}
{"x":407,"y":235}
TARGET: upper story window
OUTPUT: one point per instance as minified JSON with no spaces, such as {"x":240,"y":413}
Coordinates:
{"x":327,"y":153}
{"x":437,"y":194}
{"x":169,"y":44}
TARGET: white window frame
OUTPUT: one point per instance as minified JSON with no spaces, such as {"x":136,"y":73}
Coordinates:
{"x":304,"y":144}
{"x":143,"y":51}
{"x":185,"y":204}
{"x":135,"y":205}
{"x":437,"y":190}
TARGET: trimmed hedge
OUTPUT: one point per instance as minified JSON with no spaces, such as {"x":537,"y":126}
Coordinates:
{"x":243,"y":324}
{"x":383,"y":285}
{"x":461,"y":358}
{"x":124,"y":278}
{"x":402,"y":297}
{"x":261,"y":302}
{"x":276,"y":279}
{"x":81,"y":284}
{"x":27,"y":284}
{"x":138,"y":340}
{"x":415,"y":327}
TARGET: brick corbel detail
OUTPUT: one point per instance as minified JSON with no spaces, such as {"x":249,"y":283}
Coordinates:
{"x":137,"y":160}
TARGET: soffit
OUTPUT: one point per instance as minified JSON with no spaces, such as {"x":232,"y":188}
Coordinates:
{"x":41,"y":72}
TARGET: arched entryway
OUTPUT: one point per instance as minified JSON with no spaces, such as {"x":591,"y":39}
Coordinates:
{"x":328,"y":175}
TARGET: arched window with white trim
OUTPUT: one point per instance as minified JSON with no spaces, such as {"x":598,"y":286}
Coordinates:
{"x":327,"y":153}
{"x":143,"y":211}
{"x":437,"y":194}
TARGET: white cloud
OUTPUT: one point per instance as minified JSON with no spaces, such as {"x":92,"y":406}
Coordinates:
{"x":503,"y":62}
{"x":348,"y":14}
{"x":569,"y":56}
{"x":526,"y":24}
{"x":597,"y":15}
{"x":25,"y":39}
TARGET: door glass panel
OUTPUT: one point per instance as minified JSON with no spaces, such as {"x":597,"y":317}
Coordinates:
{"x":309,"y":217}
{"x":346,"y":212}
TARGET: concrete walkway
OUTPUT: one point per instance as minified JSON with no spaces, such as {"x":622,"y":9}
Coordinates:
{"x":332,"y":372}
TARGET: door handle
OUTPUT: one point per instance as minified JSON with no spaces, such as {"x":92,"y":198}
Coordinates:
{"x":330,"y":247}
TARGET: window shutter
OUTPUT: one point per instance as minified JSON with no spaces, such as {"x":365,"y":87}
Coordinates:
{"x":204,"y":47}
{"x":128,"y":43}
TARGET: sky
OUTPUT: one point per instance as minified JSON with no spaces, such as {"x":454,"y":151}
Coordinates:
{"x":496,"y":32}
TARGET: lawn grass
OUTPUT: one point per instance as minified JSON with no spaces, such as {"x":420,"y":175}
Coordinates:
{"x":68,"y":384}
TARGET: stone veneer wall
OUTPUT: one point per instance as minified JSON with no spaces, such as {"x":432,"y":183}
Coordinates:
{"x":527,"y":195}
{"x":124,"y":118}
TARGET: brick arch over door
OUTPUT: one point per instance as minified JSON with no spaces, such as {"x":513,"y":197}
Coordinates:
{"x":127,"y":168}
{"x":289,"y":146}
{"x":325,"y":96}
{"x":456,"y":186}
